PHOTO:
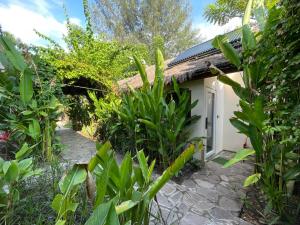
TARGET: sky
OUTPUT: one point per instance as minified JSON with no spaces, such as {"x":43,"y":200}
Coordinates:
{"x":21,"y":17}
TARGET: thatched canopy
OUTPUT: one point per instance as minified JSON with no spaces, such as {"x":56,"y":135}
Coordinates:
{"x":192,"y":69}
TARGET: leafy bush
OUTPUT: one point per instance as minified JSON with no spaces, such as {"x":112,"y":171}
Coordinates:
{"x":156,"y":122}
{"x":269,"y":102}
{"x":12,"y":173}
{"x":124,"y":192}
{"x":28,"y":108}
{"x":105,"y":115}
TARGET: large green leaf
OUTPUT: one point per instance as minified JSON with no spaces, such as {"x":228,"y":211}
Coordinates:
{"x":125,"y":206}
{"x":293,"y":173}
{"x":60,"y":222}
{"x":148,"y":123}
{"x":229,"y":52}
{"x":25,"y":150}
{"x":15,"y":57}
{"x":104,"y":214}
{"x":125,"y":172}
{"x":143,"y":164}
{"x":61,"y":204}
{"x":256,"y":139}
{"x":34,"y":129}
{"x":143,"y":73}
{"x":248,"y":39}
{"x":241,"y":126}
{"x":12,"y":173}
{"x":26,"y":86}
{"x":102,"y":183}
{"x":247,"y":14}
{"x":75,"y":176}
{"x":252,"y":179}
{"x":171,"y":171}
{"x":239,"y":156}
{"x":101,"y":154}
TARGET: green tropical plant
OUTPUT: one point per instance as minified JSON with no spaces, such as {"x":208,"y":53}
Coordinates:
{"x":12,"y":173}
{"x":124,"y":192}
{"x":157,"y":120}
{"x":105,"y":114}
{"x":27,"y":112}
{"x":266,"y":105}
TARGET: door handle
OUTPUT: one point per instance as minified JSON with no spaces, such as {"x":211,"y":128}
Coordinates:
{"x":206,"y":123}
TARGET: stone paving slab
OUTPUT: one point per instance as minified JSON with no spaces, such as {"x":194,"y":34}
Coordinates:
{"x":211,"y":196}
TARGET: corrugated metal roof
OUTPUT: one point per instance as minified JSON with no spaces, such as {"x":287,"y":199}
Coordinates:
{"x":205,"y":48}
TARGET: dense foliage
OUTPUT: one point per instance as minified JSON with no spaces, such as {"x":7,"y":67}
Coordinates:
{"x":29,"y":107}
{"x":145,"y":21}
{"x":89,"y":62}
{"x":122,"y":193}
{"x":269,"y":103}
{"x":222,"y":11}
{"x":29,"y":110}
{"x":156,"y":119}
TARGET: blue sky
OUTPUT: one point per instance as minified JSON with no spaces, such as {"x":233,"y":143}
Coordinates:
{"x":21,"y":17}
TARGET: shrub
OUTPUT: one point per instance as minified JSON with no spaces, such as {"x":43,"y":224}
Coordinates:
{"x":28,"y":106}
{"x":122,"y":193}
{"x":269,"y":102}
{"x":157,"y":123}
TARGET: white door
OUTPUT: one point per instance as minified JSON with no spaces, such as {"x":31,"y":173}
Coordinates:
{"x":210,"y":122}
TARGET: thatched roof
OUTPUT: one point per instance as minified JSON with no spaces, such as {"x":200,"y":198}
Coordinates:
{"x":191,"y":64}
{"x":189,"y":70}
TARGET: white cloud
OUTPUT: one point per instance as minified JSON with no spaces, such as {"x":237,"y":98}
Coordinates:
{"x":208,"y":30}
{"x":75,"y":21}
{"x":21,"y":21}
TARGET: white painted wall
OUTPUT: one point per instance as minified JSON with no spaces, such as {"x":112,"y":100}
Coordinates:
{"x":231,"y":139}
{"x":197,"y":93}
{"x":226,"y":136}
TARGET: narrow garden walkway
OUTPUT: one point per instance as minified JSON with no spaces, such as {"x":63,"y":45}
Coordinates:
{"x":211,"y":196}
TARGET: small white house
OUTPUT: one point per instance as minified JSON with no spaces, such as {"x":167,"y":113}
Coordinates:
{"x":216,"y":101}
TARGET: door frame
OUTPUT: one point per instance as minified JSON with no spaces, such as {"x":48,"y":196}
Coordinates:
{"x":213,"y":151}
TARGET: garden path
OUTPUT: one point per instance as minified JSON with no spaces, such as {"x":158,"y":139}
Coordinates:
{"x":210,"y":196}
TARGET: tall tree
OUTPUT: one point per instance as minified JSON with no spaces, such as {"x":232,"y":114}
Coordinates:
{"x":146,"y":21}
{"x":222,"y":11}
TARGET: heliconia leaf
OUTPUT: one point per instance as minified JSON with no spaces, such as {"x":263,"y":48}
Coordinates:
{"x":176,"y":86}
{"x":125,"y":206}
{"x":25,"y":165}
{"x":100,"y":214}
{"x":26,"y":86}
{"x":102,"y":182}
{"x":23,"y":151}
{"x":60,"y":222}
{"x":125,"y":171}
{"x":248,"y":39}
{"x":150,"y":170}
{"x":101,"y":152}
{"x":34,"y":129}
{"x":12,"y":172}
{"x":75,"y":176}
{"x":15,"y":57}
{"x":252,"y":179}
{"x":229,"y":52}
{"x":241,"y":126}
{"x":143,"y":164}
{"x":256,"y":139}
{"x":247,"y":14}
{"x":148,"y":123}
{"x":239,"y":156}
{"x":171,"y":171}
{"x":292,"y":173}
{"x":142,"y":72}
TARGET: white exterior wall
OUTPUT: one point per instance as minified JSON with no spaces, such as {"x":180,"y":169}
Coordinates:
{"x":226,"y":136}
{"x":197,"y":93}
{"x":231,"y":139}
